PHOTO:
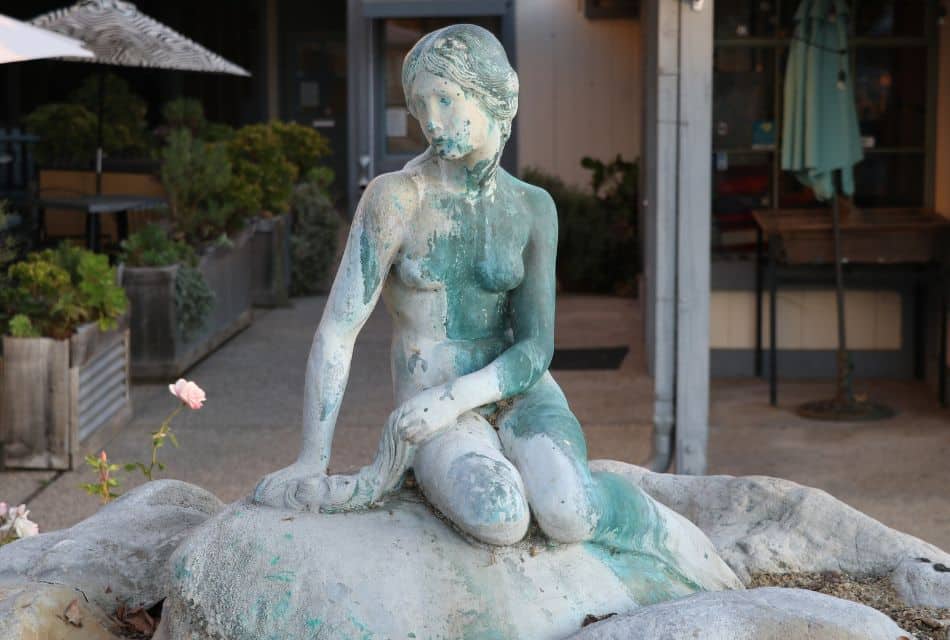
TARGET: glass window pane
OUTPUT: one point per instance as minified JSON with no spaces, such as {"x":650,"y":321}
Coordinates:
{"x":742,"y":182}
{"x":890,"y":180}
{"x":745,"y":18}
{"x":891,"y":95}
{"x":743,"y":98}
{"x":890,"y":18}
{"x":402,"y":132}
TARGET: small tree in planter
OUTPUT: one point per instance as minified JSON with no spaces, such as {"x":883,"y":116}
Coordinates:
{"x":65,"y":348}
{"x":272,"y":157}
{"x":190,"y":291}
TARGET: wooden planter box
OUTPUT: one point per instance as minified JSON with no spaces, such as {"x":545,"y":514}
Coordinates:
{"x":270,"y":275}
{"x":159,"y":350}
{"x":60,"y":395}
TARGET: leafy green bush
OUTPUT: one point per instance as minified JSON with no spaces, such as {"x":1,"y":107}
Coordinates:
{"x":54,"y":291}
{"x":194,"y":300}
{"x":67,"y":133}
{"x":315,"y":234}
{"x":201,"y":188}
{"x":303,"y":146}
{"x":597,"y":243}
{"x":153,"y":247}
{"x":124,"y":129}
{"x":189,"y":113}
{"x":263,"y":177}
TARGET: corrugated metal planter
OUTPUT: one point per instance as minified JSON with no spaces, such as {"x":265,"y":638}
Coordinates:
{"x":60,"y":395}
{"x":270,"y":275}
{"x":159,"y":349}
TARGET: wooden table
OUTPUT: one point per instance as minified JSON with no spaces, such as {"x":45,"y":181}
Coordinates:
{"x":803,"y":237}
{"x":96,"y":205}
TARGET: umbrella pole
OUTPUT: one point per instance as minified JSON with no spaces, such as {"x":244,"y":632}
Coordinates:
{"x":844,"y":393}
{"x":844,"y":405}
{"x":102,"y":96}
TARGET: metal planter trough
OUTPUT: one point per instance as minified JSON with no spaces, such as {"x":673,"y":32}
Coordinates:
{"x":60,"y":396}
{"x":159,"y":349}
{"x":270,"y":276}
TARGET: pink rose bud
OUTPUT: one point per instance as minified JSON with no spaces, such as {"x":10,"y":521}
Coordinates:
{"x":3,"y":509}
{"x":188,"y":392}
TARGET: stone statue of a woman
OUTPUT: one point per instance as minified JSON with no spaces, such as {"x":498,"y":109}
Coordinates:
{"x":462,"y":253}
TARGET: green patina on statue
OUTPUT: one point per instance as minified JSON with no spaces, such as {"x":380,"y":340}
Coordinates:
{"x":463,"y":255}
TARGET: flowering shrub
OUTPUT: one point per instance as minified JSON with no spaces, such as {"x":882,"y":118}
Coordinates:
{"x":190,"y":395}
{"x":15,"y":523}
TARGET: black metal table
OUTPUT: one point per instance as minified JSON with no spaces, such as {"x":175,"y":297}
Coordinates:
{"x":796,"y":238}
{"x":96,"y":205}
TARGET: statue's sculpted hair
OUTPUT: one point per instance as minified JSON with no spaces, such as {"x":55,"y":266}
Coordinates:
{"x":473,"y":58}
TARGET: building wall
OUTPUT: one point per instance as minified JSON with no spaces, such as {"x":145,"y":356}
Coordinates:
{"x":942,"y":178}
{"x":581,"y":87}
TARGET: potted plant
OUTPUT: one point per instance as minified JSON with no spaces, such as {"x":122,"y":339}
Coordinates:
{"x":316,"y":235}
{"x":190,"y":288}
{"x":66,"y":357}
{"x":270,"y":158}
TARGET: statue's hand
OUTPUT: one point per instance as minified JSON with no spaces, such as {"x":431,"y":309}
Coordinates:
{"x":298,"y":487}
{"x":426,"y":414}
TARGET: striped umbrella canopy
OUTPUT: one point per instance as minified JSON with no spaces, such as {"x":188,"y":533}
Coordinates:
{"x":118,"y":33}
{"x":20,"y":41}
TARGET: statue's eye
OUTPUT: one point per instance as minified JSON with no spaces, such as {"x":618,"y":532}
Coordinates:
{"x":444,"y":101}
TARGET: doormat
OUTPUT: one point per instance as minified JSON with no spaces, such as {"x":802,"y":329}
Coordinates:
{"x":580,"y":359}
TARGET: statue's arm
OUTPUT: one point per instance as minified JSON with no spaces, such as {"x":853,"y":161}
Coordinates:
{"x":374,"y":240}
{"x":520,"y":366}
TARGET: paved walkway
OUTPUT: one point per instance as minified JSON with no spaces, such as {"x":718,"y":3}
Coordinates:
{"x":897,"y":470}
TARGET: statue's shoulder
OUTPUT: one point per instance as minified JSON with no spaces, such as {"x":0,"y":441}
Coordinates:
{"x":392,"y":197}
{"x":538,"y":201}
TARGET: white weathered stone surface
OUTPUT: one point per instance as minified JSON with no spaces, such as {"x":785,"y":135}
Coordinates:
{"x":923,"y":582}
{"x":32,"y":611}
{"x":117,"y":554}
{"x":391,"y":572}
{"x":756,"y":614}
{"x":761,"y":524}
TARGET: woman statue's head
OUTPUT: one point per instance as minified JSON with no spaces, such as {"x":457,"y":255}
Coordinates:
{"x":460,"y":87}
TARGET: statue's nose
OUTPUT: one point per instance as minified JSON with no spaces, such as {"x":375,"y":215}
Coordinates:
{"x":433,"y":127}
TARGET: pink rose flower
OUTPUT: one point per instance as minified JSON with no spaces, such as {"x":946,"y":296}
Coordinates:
{"x":188,"y":392}
{"x":3,"y":509}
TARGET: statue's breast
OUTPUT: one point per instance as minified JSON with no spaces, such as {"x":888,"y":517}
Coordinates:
{"x":462,"y":246}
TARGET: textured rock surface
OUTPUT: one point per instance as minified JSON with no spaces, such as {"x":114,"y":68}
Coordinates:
{"x":921,"y":581}
{"x":756,"y":614}
{"x":117,"y":554}
{"x":399,"y":571}
{"x":32,"y":611}
{"x":768,"y":525}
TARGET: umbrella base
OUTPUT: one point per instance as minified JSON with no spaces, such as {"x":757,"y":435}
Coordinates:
{"x":841,"y":410}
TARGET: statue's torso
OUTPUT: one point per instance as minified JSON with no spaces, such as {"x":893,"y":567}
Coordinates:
{"x":448,"y":289}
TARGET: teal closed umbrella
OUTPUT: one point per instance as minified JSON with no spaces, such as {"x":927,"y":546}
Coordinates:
{"x":821,"y":144}
{"x":820,"y":130}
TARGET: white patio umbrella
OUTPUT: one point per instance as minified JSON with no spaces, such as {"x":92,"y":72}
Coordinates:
{"x":20,"y":41}
{"x":119,"y":34}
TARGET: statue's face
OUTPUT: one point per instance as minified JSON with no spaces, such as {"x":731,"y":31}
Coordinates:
{"x":453,"y":122}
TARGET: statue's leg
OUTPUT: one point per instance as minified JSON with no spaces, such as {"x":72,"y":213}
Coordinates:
{"x":544,"y":439}
{"x":464,"y":474}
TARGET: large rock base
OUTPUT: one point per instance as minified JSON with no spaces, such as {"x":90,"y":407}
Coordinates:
{"x":399,"y":571}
